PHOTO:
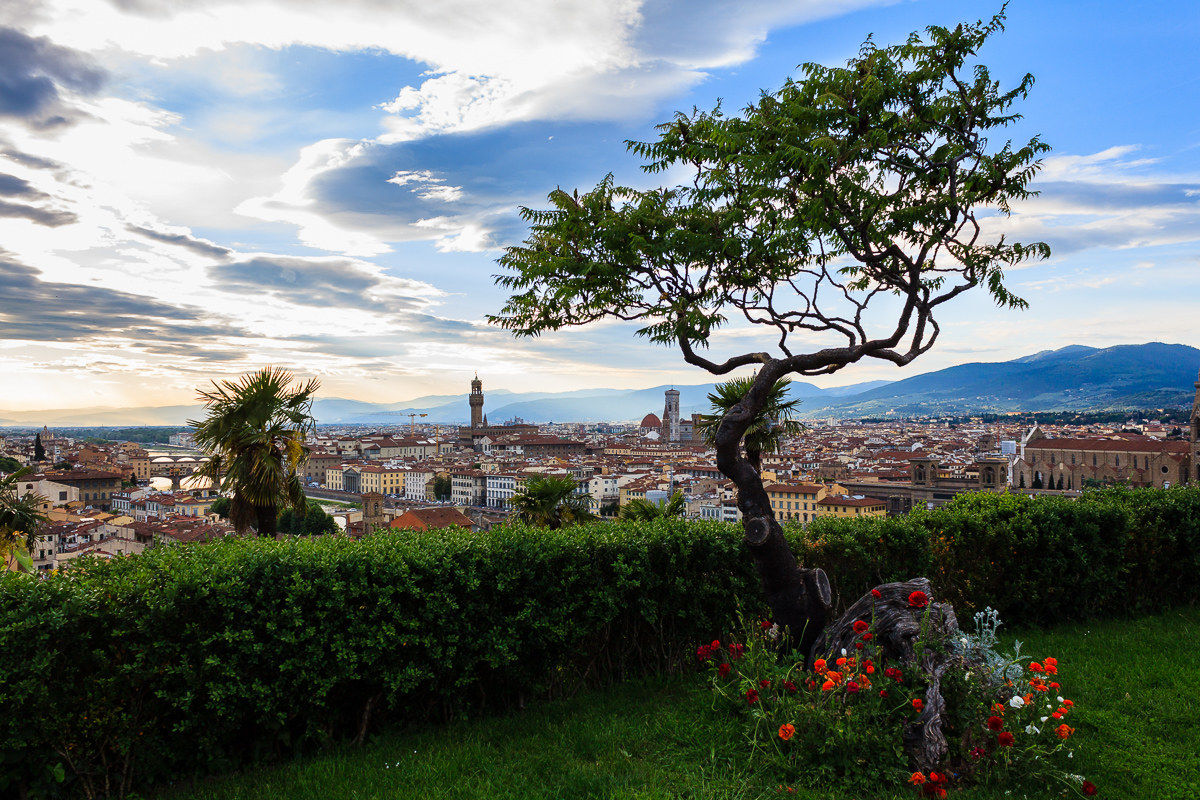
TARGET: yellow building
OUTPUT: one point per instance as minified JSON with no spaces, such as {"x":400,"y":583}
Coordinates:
{"x":796,"y":501}
{"x":844,"y":505}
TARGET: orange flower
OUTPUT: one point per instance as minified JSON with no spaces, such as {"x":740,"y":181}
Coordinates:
{"x":819,"y":664}
{"x":786,"y":730}
{"x":998,"y":708}
{"x":836,"y":677}
{"x":1064,"y":730}
{"x":918,"y":703}
{"x":826,"y":686}
{"x":917,"y":779}
{"x":1035,"y":667}
{"x":1051,"y":662}
{"x":1068,"y":703}
{"x":841,"y":662}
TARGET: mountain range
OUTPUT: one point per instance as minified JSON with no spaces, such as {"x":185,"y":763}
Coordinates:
{"x":1073,"y":378}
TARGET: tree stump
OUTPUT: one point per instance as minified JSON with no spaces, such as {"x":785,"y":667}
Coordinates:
{"x":897,"y":626}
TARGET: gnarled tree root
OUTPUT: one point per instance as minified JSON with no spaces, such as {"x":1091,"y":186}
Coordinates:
{"x":897,"y":626}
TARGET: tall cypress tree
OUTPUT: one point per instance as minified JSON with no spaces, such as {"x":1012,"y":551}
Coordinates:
{"x":39,"y":452}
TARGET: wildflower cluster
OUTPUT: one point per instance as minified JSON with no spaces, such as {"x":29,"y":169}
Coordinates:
{"x":842,"y":719}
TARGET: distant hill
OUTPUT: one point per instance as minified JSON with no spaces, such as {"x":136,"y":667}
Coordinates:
{"x":1073,"y":378}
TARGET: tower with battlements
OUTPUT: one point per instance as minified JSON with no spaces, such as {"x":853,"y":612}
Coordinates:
{"x":476,"y":401}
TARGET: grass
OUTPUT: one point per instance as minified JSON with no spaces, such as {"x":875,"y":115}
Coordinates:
{"x":1135,"y":683}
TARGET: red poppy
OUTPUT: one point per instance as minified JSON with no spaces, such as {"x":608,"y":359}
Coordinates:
{"x":1005,"y":739}
{"x":868,"y":636}
{"x":751,"y":696}
{"x":861,"y":625}
{"x":918,"y":703}
{"x":876,"y":594}
{"x":995,"y":723}
{"x":918,"y":599}
{"x":852,"y":687}
{"x":858,"y":645}
{"x":723,"y":670}
{"x":1088,"y":788}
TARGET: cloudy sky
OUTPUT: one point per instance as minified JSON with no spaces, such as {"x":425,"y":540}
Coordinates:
{"x":192,"y":188}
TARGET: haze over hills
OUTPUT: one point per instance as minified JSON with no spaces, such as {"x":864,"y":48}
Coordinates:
{"x":1073,"y":378}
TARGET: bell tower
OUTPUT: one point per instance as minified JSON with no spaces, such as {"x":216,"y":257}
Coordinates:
{"x":476,"y":401}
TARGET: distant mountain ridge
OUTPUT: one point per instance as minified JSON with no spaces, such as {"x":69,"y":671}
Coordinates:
{"x":1072,"y":378}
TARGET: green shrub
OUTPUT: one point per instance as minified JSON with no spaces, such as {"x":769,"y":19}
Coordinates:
{"x":195,"y":659}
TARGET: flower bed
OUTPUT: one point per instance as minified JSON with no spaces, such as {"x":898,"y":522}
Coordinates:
{"x":845,"y":721}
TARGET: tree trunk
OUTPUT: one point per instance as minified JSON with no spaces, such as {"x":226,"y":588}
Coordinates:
{"x":897,"y":626}
{"x":800,"y":599}
{"x":268,"y":520}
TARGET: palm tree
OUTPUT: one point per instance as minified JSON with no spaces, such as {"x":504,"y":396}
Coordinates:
{"x":550,"y":501}
{"x":774,"y":423}
{"x":20,"y":517}
{"x":644,"y":510}
{"x":254,"y":433}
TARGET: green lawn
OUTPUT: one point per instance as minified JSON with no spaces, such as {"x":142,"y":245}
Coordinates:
{"x":1136,"y":683}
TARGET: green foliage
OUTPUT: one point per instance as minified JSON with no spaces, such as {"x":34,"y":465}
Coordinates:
{"x":9,"y":464}
{"x":776,"y":421}
{"x":644,"y":510}
{"x":550,"y":501}
{"x":220,"y":507}
{"x":193,"y":659}
{"x":312,"y":522}
{"x":255,"y":431}
{"x":442,"y":487}
{"x":20,"y":517}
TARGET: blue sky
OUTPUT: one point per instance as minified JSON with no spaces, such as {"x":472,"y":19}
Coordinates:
{"x":193,"y":189}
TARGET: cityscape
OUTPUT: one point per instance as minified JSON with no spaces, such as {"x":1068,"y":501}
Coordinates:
{"x":624,"y":400}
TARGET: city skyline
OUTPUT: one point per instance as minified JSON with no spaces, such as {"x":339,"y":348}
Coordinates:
{"x":190,"y":191}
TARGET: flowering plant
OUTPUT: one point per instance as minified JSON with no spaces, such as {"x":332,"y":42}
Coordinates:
{"x":843,"y":718}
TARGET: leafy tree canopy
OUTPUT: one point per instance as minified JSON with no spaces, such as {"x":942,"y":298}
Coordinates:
{"x":848,"y":184}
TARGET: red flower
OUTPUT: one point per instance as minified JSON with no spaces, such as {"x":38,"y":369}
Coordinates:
{"x":1035,"y":667}
{"x":852,"y":687}
{"x":735,"y":651}
{"x":765,"y":624}
{"x":751,"y":696}
{"x":883,"y":692}
{"x":868,"y":636}
{"x":918,"y":599}
{"x":1005,"y":739}
{"x":716,"y":645}
{"x":876,"y":594}
{"x":918,"y":703}
{"x":791,"y":687}
{"x":764,"y":683}
{"x":1055,"y":686}
{"x":995,"y":724}
{"x":861,"y":625}
{"x":1088,"y":788}
{"x":858,"y":645}
{"x":723,"y":670}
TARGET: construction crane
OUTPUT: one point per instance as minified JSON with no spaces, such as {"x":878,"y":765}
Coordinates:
{"x":412,"y":423}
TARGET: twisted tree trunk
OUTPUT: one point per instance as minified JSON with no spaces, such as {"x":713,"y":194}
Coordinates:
{"x":801,"y":599}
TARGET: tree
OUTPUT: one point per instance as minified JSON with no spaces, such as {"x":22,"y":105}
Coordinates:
{"x":255,"y":432}
{"x":308,"y":521}
{"x":20,"y":518}
{"x":774,"y":422}
{"x":39,"y":451}
{"x":550,"y":501}
{"x":839,"y":213}
{"x":644,"y":510}
{"x":8,"y":464}
{"x":441,"y":487}
{"x":220,"y":507}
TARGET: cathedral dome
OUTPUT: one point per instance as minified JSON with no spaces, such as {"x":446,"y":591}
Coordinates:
{"x":651,"y":421}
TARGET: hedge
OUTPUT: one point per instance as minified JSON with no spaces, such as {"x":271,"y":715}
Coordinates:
{"x":190,"y":660}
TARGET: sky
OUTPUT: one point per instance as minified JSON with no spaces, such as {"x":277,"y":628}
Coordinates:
{"x":192,"y":189}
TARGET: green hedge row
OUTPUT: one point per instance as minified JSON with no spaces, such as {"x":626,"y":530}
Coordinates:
{"x":190,"y":660}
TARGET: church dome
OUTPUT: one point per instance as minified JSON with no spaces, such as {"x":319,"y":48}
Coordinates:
{"x":651,"y":421}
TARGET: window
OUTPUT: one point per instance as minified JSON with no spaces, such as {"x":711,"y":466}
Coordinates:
{"x":1093,"y":459}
